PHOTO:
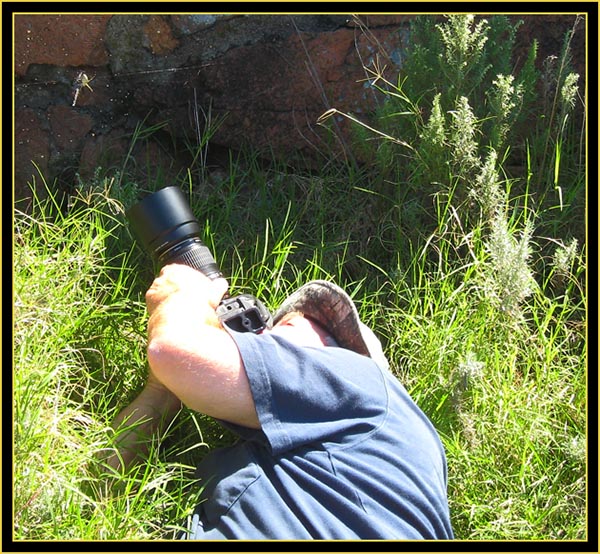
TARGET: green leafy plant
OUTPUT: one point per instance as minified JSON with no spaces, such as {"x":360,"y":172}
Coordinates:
{"x":483,"y":321}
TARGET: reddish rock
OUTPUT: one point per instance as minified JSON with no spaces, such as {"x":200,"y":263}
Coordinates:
{"x":103,"y":151}
{"x":159,"y":36}
{"x":549,"y":31}
{"x":268,"y":77}
{"x":367,"y":21}
{"x":188,"y":24}
{"x":68,"y":127}
{"x":32,"y":143}
{"x":308,"y":74}
{"x":61,"y":40}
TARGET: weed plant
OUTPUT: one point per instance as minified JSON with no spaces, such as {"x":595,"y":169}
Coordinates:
{"x":472,"y":272}
{"x":476,"y":180}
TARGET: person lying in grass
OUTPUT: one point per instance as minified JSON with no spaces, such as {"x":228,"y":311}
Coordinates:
{"x":330,"y":446}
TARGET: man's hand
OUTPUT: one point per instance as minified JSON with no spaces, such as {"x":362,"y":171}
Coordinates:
{"x":179,"y":287}
{"x":136,"y":425}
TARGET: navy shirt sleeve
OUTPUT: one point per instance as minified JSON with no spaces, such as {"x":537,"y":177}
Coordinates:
{"x":305,"y":395}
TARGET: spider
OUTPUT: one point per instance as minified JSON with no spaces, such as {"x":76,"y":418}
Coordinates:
{"x":81,"y":81}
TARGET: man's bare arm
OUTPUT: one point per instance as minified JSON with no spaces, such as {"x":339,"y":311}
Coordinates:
{"x":192,"y":360}
{"x":190,"y":353}
{"x":135,"y":426}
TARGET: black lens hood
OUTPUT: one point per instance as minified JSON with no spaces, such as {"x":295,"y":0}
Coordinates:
{"x":163,"y":219}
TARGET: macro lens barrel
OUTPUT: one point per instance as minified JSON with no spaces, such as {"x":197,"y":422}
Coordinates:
{"x":168,"y":230}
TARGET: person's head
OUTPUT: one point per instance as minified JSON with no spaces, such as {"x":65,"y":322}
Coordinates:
{"x":322,"y":314}
{"x":302,"y":330}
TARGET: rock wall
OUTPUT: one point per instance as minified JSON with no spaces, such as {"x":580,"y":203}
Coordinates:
{"x":265,"y":79}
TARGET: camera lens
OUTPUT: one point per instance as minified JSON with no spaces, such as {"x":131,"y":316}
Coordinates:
{"x":168,"y":230}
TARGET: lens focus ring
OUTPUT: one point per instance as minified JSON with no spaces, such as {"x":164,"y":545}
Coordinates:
{"x":195,"y":255}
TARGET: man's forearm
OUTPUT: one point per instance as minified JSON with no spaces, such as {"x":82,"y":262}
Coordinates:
{"x":135,"y":426}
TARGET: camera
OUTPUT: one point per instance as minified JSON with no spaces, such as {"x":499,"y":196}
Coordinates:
{"x":170,"y":233}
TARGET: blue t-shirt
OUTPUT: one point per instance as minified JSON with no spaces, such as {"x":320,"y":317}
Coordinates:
{"x":343,"y":453}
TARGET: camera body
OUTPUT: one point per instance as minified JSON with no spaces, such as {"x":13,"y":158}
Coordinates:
{"x":169,"y":232}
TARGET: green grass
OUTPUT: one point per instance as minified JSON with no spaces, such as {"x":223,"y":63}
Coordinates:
{"x":508,"y":396}
{"x":478,"y":295}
